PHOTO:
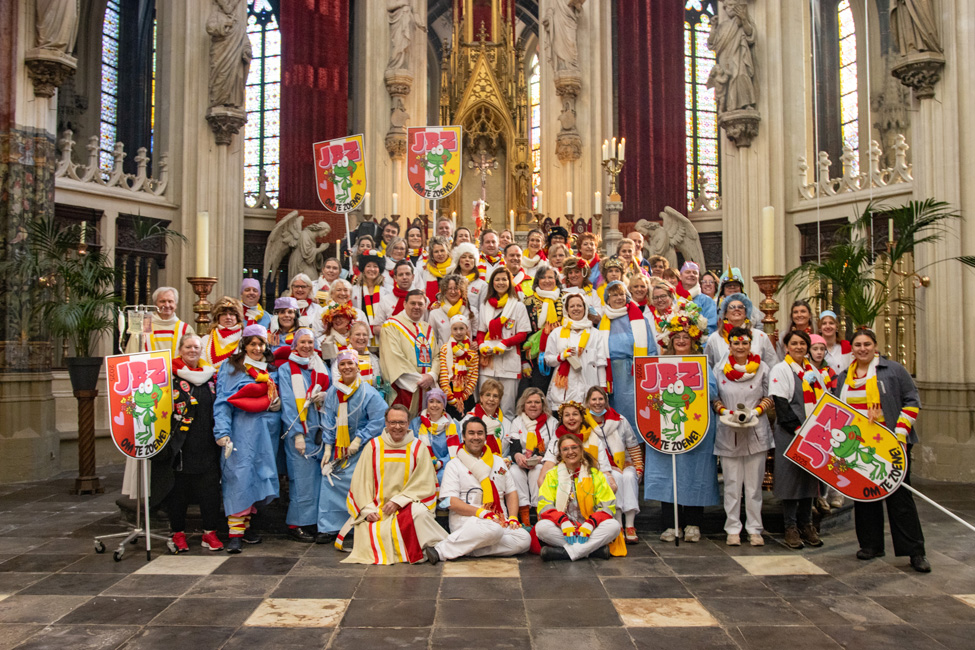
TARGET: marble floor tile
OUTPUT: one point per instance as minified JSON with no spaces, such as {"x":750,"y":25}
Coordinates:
{"x":581,"y":612}
{"x":645,"y":588}
{"x":451,"y":638}
{"x":80,"y":637}
{"x":778,"y":565}
{"x":152,"y":585}
{"x":108,"y":610}
{"x":357,"y":638}
{"x":605,"y":638}
{"x":13,"y":635}
{"x":234,"y":587}
{"x":390,"y":613}
{"x":189,"y":565}
{"x":487,"y":567}
{"x":72,"y":584}
{"x":397,"y":588}
{"x":843,"y":610}
{"x":953,"y":637}
{"x":167,"y":638}
{"x":253,"y":638}
{"x":753,"y":611}
{"x":255,"y":565}
{"x":460,"y":614}
{"x":557,"y":587}
{"x":315,"y":587}
{"x":223,"y":612}
{"x":793,"y":637}
{"x":968,"y":599}
{"x":38,"y":609}
{"x":298,"y":612}
{"x":879,"y":637}
{"x":477,"y":588}
{"x":743,"y":586}
{"x":663,"y":612}
{"x":711,"y":638}
{"x":928,"y":610}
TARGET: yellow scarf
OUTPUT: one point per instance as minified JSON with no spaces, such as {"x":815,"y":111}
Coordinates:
{"x":342,"y":438}
{"x":438,"y":270}
{"x":810,"y":394}
{"x":487,"y":493}
{"x":873,"y":393}
{"x":455,"y":309}
{"x":586,"y":496}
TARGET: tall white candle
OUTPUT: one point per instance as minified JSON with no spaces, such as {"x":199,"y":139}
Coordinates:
{"x":203,"y":244}
{"x":612,"y":148}
{"x":768,"y":240}
{"x":598,"y":203}
{"x":538,"y":202}
{"x":605,"y":149}
{"x":568,"y":202}
{"x":890,"y":229}
{"x":453,"y":216}
{"x":622,"y":149}
{"x":511,"y":218}
{"x":395,"y":203}
{"x":367,"y":204}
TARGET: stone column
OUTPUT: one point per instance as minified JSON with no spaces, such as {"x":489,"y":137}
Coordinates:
{"x":206,"y":165}
{"x":29,"y":442}
{"x":942,"y":148}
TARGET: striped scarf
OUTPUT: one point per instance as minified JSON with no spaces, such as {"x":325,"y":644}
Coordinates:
{"x":254,"y":314}
{"x":436,"y":273}
{"x":342,"y":437}
{"x":458,"y":367}
{"x":638,"y":326}
{"x":165,"y":334}
{"x":726,"y":328}
{"x":481,"y":469}
{"x":531,"y":261}
{"x":534,"y":442}
{"x":502,"y":314}
{"x":736,"y":372}
{"x":302,"y":392}
{"x":223,"y":342}
{"x":485,"y":261}
{"x":370,"y":300}
{"x":868,"y":383}
{"x":585,"y":326}
{"x":494,"y":424}
{"x":804,"y":371}
{"x":365,"y":367}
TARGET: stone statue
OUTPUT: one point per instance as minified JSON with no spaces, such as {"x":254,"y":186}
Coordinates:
{"x":403,"y":20}
{"x":561,"y":24}
{"x":677,"y":233}
{"x":57,"y":24}
{"x":732,"y":39}
{"x":288,"y":235}
{"x":230,"y":53}
{"x":913,"y":27}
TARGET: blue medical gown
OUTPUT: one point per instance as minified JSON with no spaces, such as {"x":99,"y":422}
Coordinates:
{"x":304,"y":474}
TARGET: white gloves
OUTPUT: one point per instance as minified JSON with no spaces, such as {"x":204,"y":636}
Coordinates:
{"x":300,"y":444}
{"x":317,"y":396}
{"x":354,"y":446}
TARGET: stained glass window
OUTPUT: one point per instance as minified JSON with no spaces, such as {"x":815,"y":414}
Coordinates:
{"x":535,"y":124}
{"x":701,"y":110}
{"x":263,"y":101}
{"x":108,"y":126}
{"x":849,"y":109}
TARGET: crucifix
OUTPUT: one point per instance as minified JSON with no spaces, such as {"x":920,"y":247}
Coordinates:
{"x":484,"y":166}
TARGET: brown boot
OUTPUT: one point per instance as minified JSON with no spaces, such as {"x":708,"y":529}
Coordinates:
{"x":792,"y":539}
{"x":810,"y":536}
{"x":523,"y":512}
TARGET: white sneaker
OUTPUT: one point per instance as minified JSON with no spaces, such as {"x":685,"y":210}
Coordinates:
{"x":756,"y":540}
{"x":668,"y":535}
{"x":836,"y":501}
{"x":734,"y":539}
{"x":692,"y":534}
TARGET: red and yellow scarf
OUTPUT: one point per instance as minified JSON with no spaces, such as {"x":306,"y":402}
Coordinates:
{"x":735,"y":372}
{"x":401,"y":295}
{"x":436,"y":273}
{"x":810,"y":393}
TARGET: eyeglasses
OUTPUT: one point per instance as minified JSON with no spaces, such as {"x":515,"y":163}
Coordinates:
{"x":736,"y":307}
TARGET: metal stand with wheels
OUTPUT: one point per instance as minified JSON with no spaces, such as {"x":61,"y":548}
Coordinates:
{"x":136,"y":321}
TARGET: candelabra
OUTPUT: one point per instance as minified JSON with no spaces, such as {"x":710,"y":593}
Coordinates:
{"x":202,"y":286}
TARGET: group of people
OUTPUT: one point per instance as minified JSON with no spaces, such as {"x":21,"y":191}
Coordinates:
{"x":491,"y":380}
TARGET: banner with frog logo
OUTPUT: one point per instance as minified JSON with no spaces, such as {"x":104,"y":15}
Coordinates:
{"x":340,"y":173}
{"x":673,"y":405}
{"x":140,"y":401}
{"x":434,"y":160}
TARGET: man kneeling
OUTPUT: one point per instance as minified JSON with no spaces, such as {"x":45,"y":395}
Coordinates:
{"x":576,"y":508}
{"x":481,"y":495}
{"x":393,"y":494}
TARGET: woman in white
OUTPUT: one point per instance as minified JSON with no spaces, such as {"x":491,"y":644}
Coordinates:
{"x":839,"y":352}
{"x":616,"y":434}
{"x":465,"y":265}
{"x":733,"y":313}
{"x":438,"y":263}
{"x":369,"y":289}
{"x":504,"y":326}
{"x":309,"y":311}
{"x":533,"y":255}
{"x":576,"y":273}
{"x":530,"y":435}
{"x":452,"y":303}
{"x":743,"y":435}
{"x":342,"y":295}
{"x":574,"y":351}
{"x":395,"y":252}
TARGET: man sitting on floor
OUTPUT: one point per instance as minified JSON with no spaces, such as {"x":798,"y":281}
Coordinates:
{"x":481,"y":496}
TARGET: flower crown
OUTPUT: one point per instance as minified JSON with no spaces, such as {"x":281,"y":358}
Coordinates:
{"x":684,"y":321}
{"x":345,"y":309}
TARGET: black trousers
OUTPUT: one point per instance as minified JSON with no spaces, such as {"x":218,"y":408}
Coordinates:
{"x":686,"y":515}
{"x":797,"y":512}
{"x":905,"y":526}
{"x":195,"y":488}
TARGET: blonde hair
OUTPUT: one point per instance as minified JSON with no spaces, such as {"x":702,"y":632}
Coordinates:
{"x":491,"y":384}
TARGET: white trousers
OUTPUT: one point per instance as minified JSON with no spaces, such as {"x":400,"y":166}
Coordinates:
{"x":481,"y":537}
{"x":743,"y":472}
{"x":627,"y":490}
{"x":603,"y":534}
{"x":510,"y":397}
{"x":526,"y":483}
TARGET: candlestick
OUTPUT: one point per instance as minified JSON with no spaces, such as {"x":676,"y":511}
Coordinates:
{"x":768,"y":285}
{"x":202,"y":286}
{"x":598,"y":203}
{"x":367,"y":204}
{"x":568,"y":202}
{"x":538,"y":202}
{"x":620,"y":155}
{"x":395,"y":203}
{"x":768,"y":240}
{"x":203,"y":244}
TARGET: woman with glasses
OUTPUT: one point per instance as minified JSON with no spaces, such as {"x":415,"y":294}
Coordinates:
{"x":732,"y":313}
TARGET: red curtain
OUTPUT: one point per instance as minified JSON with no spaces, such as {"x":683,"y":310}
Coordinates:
{"x":314,"y":90}
{"x":650,"y":55}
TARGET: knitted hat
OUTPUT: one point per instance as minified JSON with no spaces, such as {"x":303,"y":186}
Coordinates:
{"x":371,"y":256}
{"x":286,"y":302}
{"x":816,"y":338}
{"x":464,"y":247}
{"x":460,"y":318}
{"x":555,"y":231}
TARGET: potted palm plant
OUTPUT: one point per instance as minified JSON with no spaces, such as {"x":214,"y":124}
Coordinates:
{"x":858,"y":280}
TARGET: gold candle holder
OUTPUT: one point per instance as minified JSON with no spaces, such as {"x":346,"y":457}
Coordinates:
{"x":768,"y":285}
{"x":613,"y":167}
{"x":202,"y":286}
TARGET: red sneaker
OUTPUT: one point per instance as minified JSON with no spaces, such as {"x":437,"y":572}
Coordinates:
{"x":212,"y":542}
{"x":179,"y":539}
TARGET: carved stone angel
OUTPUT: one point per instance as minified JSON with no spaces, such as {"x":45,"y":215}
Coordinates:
{"x":677,"y":233}
{"x":288,"y":235}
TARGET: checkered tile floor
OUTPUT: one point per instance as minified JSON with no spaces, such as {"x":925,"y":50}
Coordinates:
{"x":55,"y":592}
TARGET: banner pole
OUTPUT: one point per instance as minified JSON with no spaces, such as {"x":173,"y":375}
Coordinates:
{"x":940,"y":507}
{"x":145,"y":496}
{"x":348,"y":240}
{"x":673,"y":458}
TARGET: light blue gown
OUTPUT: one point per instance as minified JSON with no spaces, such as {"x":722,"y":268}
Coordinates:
{"x":709,"y":310}
{"x":304,"y":474}
{"x":697,"y":470}
{"x":623,"y":399}
{"x":367,"y":410}
{"x":250,"y":476}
